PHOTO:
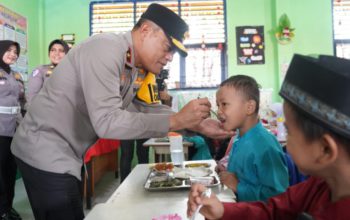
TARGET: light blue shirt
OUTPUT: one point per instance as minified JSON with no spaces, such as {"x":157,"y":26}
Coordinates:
{"x":258,"y":161}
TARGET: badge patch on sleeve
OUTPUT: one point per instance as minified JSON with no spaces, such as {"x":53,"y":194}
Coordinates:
{"x":35,"y":72}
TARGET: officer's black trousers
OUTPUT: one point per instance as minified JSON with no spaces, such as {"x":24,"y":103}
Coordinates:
{"x":127,"y":153}
{"x":52,"y":196}
{"x":7,"y":175}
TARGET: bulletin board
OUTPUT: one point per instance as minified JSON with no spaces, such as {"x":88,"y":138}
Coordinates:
{"x":13,"y":27}
{"x":250,"y":45}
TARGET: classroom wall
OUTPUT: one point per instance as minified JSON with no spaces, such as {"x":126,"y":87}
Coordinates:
{"x":66,"y":17}
{"x":48,"y":19}
{"x":33,"y":11}
{"x":311,"y":19}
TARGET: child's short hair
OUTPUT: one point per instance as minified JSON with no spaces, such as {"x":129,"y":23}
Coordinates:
{"x":317,"y":90}
{"x":247,"y":86}
{"x":313,"y":130}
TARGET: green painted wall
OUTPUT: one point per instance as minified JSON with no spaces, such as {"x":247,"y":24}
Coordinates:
{"x":251,"y":13}
{"x":312,"y":20}
{"x":313,"y":28}
{"x":66,"y":17}
{"x":48,"y":19}
{"x":33,"y":11}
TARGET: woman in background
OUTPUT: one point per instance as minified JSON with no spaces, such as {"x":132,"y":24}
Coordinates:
{"x":57,"y":50}
{"x":10,"y":91}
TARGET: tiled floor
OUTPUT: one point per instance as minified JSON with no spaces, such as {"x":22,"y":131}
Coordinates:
{"x":103,"y":189}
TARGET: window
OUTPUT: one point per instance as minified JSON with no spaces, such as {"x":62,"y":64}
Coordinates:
{"x":205,"y":65}
{"x":341,"y":25}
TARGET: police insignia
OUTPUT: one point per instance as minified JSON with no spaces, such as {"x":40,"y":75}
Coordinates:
{"x":35,"y":72}
{"x":128,"y":55}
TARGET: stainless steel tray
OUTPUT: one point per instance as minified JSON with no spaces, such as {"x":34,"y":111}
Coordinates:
{"x":171,"y":183}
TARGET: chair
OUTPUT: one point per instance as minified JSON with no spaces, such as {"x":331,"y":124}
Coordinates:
{"x":294,"y":174}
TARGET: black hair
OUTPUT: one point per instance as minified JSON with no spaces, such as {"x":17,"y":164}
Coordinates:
{"x":143,"y":20}
{"x":61,"y":42}
{"x":313,"y":129}
{"x":139,"y":23}
{"x":4,"y":46}
{"x":247,"y":85}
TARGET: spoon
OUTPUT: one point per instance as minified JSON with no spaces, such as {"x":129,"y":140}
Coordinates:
{"x":211,"y":110}
{"x":206,"y":194}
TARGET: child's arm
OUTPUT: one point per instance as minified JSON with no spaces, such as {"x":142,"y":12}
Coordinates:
{"x":286,"y":206}
{"x":229,"y":179}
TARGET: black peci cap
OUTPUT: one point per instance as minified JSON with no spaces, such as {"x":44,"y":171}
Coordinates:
{"x":171,"y":23}
{"x":320,"y":88}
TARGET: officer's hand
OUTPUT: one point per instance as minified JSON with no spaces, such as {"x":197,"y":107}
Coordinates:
{"x":164,"y":96}
{"x":213,"y":128}
{"x":191,"y":115}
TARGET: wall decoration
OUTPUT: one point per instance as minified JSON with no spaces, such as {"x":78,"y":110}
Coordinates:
{"x":69,"y":39}
{"x":250,"y":45}
{"x":284,"y":32}
{"x":14,"y":27}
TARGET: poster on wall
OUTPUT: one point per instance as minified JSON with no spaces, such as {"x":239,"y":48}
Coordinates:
{"x":250,"y":45}
{"x":14,"y":27}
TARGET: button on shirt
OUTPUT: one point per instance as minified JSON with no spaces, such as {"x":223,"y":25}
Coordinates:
{"x":257,"y":160}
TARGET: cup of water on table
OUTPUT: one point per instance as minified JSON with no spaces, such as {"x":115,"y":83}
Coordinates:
{"x":176,"y":150}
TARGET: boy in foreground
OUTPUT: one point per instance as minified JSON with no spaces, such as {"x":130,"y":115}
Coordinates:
{"x":317,"y":111}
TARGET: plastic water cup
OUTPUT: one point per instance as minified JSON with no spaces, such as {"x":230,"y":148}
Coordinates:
{"x":176,"y":150}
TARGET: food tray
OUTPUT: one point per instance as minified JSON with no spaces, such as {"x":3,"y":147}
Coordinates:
{"x":167,"y":182}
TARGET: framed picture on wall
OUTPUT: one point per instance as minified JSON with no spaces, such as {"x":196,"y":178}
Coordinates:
{"x":250,"y":45}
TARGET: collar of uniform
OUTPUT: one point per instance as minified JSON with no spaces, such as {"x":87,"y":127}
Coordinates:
{"x":251,"y":131}
{"x":131,"y":49}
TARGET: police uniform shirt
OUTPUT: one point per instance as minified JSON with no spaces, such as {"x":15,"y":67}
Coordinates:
{"x":37,"y":79}
{"x":84,"y":100}
{"x":9,"y":97}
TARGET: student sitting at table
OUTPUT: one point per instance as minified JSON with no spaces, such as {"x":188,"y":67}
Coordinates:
{"x":318,"y":139}
{"x":200,"y":149}
{"x":256,"y":168}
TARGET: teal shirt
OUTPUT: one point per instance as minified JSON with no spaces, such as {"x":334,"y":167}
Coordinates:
{"x":202,"y":149}
{"x":258,"y":161}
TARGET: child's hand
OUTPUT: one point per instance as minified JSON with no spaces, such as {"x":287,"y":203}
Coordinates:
{"x":212,"y":207}
{"x":219,"y":168}
{"x":229,"y":179}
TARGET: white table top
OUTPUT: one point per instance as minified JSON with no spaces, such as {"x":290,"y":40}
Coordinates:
{"x":132,"y":201}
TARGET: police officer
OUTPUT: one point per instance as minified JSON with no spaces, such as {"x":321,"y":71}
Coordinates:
{"x":148,"y":92}
{"x":91,"y":95}
{"x":57,"y":50}
{"x":10,"y":90}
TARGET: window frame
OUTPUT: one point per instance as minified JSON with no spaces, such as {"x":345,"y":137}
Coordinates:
{"x":335,"y":40}
{"x":182,"y":61}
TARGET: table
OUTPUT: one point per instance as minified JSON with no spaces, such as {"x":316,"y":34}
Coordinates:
{"x":131,"y":201}
{"x":161,"y":149}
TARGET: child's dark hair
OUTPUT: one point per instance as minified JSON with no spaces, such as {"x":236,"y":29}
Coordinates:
{"x":247,"y":85}
{"x":312,"y":129}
